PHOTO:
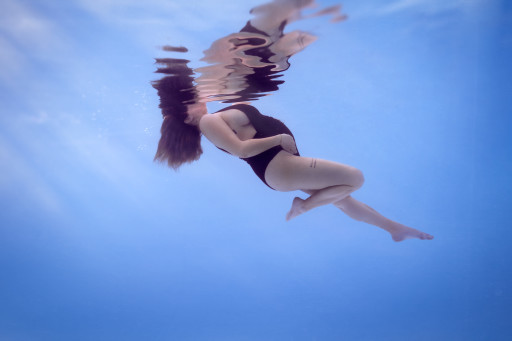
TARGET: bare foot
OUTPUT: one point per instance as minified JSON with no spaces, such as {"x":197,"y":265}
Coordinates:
{"x":297,"y":208}
{"x":403,"y":232}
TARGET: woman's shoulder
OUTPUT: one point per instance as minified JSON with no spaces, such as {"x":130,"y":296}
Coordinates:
{"x":216,"y":119}
{"x":210,"y":119}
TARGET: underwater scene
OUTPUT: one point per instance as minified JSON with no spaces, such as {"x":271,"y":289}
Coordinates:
{"x":402,"y":235}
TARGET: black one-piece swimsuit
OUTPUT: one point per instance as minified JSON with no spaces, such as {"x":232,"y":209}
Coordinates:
{"x":265,"y":126}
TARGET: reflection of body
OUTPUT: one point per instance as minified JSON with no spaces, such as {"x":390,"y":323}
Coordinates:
{"x":242,"y":131}
{"x":246,"y":65}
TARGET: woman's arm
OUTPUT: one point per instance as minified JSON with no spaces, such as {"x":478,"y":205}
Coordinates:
{"x":215,"y":129}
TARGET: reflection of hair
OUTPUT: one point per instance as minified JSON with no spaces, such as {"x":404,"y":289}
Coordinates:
{"x":180,"y":142}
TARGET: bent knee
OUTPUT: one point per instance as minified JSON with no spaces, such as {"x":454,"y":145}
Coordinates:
{"x":358,"y":178}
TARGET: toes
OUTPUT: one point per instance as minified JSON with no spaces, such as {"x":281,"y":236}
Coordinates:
{"x":426,"y":236}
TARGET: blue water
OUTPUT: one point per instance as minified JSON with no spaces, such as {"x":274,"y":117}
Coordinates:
{"x":100,"y":243}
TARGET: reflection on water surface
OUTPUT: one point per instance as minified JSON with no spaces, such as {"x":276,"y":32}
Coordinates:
{"x":249,"y":64}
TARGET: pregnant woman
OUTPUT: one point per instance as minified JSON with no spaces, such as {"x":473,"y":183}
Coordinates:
{"x":244,"y":66}
{"x":268,"y":146}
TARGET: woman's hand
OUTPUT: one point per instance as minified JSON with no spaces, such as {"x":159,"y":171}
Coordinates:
{"x":288,"y":143}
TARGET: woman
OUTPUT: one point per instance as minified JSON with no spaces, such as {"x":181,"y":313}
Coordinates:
{"x":267,"y":145}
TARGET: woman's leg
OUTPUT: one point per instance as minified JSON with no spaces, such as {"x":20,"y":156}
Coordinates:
{"x":330,"y":181}
{"x":320,"y":197}
{"x":362,"y":212}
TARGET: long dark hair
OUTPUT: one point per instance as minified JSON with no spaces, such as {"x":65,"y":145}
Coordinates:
{"x":180,"y":142}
